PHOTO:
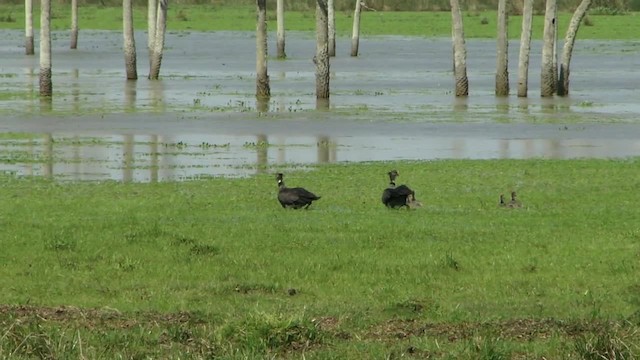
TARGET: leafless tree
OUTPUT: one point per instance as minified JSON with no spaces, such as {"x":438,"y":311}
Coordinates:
{"x":569,"y":41}
{"x":322,"y":51}
{"x":74,"y":24}
{"x":502,"y":63}
{"x":129,"y":40}
{"x":525,"y":49}
{"x":280,"y":32}
{"x":331,"y":14}
{"x":158,"y":43}
{"x":152,"y":18}
{"x":28,"y":27}
{"x":46,"y":86}
{"x":459,"y":51}
{"x":548,"y":78}
{"x":262,"y":78}
{"x":355,"y":34}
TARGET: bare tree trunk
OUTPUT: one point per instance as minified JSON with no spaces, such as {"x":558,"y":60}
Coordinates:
{"x":459,"y":51}
{"x":525,"y":49}
{"x":502,"y":64}
{"x":262,"y":78}
{"x":548,"y":80}
{"x":355,"y":34}
{"x":46,"y":86}
{"x":28,"y":27}
{"x":129,"y":40}
{"x":331,"y":14}
{"x":569,"y":41}
{"x":158,"y":44}
{"x":322,"y":51}
{"x":280,"y":32}
{"x":74,"y":24}
{"x":152,"y":18}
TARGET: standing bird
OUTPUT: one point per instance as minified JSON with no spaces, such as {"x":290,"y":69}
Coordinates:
{"x":398,"y":196}
{"x":294,"y":197}
{"x":514,"y":203}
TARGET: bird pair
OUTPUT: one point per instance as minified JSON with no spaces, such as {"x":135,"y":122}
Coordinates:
{"x":514,"y":203}
{"x":399,"y":196}
{"x":392,"y":197}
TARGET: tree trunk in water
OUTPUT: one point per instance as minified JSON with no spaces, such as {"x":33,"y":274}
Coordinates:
{"x":129,"y":40}
{"x":331,"y":14}
{"x":28,"y":27}
{"x":280,"y":33}
{"x":502,"y":64}
{"x":322,"y":50}
{"x":355,"y":34}
{"x":567,"y":50}
{"x":152,"y":18}
{"x":547,"y":78}
{"x":525,"y":49}
{"x":459,"y":51}
{"x":74,"y":24}
{"x":262,"y":77}
{"x":46,"y":86}
{"x":158,"y":44}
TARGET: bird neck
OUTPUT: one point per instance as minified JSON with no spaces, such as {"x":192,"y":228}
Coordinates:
{"x":392,"y":184}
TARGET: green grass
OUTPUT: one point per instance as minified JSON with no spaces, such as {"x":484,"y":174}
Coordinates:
{"x":207,"y":268}
{"x":428,"y":24}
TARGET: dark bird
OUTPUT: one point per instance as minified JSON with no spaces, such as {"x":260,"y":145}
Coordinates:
{"x":294,"y":197}
{"x":398,"y":196}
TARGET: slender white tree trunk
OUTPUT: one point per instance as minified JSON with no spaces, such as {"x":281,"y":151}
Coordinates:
{"x":569,"y":41}
{"x":280,"y":31}
{"x":547,"y":77}
{"x":262,"y":77}
{"x":28,"y":27}
{"x":355,"y":34}
{"x":331,"y":14}
{"x":46,"y":86}
{"x":525,"y":49}
{"x":152,"y":18}
{"x":129,"y":40}
{"x":502,"y":63}
{"x":158,"y":44}
{"x":322,"y":50}
{"x":74,"y":24}
{"x":459,"y":51}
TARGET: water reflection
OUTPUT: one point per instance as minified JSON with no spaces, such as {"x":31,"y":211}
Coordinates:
{"x":152,"y":158}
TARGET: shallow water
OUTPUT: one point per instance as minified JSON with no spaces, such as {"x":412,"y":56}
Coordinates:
{"x":392,"y":102}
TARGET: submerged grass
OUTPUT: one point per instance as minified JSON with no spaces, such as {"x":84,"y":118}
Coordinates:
{"x":478,"y":24}
{"x":215,"y":268}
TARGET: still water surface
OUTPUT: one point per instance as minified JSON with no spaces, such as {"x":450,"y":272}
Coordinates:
{"x":393,"y":102}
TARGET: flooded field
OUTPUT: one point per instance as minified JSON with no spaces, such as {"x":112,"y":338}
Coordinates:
{"x":392,"y":102}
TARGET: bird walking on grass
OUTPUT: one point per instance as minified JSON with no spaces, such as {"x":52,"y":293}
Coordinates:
{"x":398,"y":196}
{"x":295,"y":198}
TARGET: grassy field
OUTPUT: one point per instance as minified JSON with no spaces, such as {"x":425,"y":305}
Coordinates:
{"x":216,"y":268}
{"x":429,"y":24}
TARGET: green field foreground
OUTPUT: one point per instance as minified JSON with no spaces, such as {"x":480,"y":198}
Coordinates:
{"x":217,"y":269}
{"x":242,"y":18}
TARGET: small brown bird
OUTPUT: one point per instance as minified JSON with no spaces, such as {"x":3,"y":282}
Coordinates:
{"x":412,"y":203}
{"x":514,"y":203}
